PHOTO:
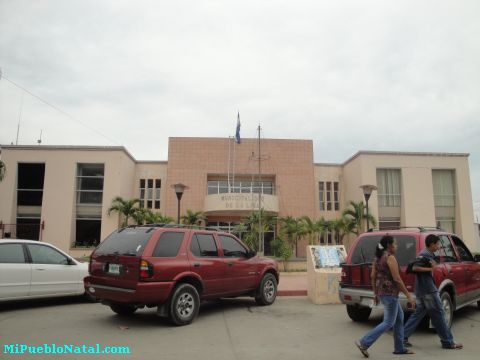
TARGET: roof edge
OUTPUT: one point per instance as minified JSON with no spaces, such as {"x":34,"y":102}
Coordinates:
{"x":403,"y":153}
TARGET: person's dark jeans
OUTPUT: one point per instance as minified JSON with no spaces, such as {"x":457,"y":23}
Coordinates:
{"x":432,"y":305}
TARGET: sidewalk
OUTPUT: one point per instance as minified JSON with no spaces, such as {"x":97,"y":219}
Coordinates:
{"x":292,"y":284}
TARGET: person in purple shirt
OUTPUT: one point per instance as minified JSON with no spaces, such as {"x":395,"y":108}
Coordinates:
{"x":428,"y":299}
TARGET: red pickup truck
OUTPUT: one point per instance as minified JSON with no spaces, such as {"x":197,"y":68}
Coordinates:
{"x":174,"y":268}
{"x":457,"y":277}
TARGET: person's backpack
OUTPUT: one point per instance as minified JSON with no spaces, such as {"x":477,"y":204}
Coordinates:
{"x":419,"y":261}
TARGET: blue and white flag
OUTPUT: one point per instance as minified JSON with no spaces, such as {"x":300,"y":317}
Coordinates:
{"x":237,"y":132}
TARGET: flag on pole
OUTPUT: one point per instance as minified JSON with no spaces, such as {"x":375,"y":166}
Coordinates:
{"x":237,"y":132}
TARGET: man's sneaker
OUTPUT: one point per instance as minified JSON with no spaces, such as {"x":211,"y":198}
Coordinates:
{"x":362,"y":349}
{"x":407,"y":343}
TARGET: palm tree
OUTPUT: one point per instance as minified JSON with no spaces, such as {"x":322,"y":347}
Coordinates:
{"x":193,"y":218}
{"x":3,"y":170}
{"x":249,"y":227}
{"x":140,"y":215}
{"x":342,"y":226}
{"x":124,"y":207}
{"x":358,"y":215}
{"x":294,"y":229}
{"x":157,"y":218}
{"x":313,"y":228}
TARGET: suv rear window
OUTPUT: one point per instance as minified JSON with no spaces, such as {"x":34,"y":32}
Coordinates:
{"x":168,"y":244}
{"x":365,"y":250}
{"x":125,"y":242}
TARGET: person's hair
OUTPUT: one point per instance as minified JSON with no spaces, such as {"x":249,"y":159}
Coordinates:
{"x":431,"y":239}
{"x":383,"y":245}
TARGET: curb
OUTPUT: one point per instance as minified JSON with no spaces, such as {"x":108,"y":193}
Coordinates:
{"x":292,"y":293}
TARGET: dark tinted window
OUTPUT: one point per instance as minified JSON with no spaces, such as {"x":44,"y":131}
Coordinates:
{"x":42,"y":254}
{"x":446,"y":253}
{"x":194,"y":247}
{"x":125,"y":242}
{"x":365,"y":250}
{"x":205,"y":245}
{"x":11,"y":254}
{"x":31,"y":176}
{"x":232,"y":248}
{"x":168,"y":244}
{"x":463,"y":251}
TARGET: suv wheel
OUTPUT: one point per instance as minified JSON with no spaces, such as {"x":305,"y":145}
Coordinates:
{"x":184,"y":305}
{"x":448,"y":307}
{"x":123,"y":309}
{"x":358,"y":313}
{"x":267,"y":291}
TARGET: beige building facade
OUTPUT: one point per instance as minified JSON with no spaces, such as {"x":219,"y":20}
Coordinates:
{"x":61,"y":194}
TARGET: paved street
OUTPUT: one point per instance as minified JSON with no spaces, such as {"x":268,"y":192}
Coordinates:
{"x":237,"y":329}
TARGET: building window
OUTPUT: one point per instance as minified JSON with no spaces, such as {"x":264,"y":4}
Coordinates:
{"x":87,"y":232}
{"x":389,"y":188}
{"x":90,"y":178}
{"x":329,"y":195}
{"x":321,"y":189}
{"x":244,"y":187}
{"x":142,"y":193}
{"x":388,"y":224}
{"x":444,"y":198}
{"x":336,"y":196}
{"x":30,"y":182}
{"x":150,"y":190}
{"x":444,"y":188}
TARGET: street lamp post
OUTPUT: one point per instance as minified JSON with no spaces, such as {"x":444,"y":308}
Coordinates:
{"x":179,"y":189}
{"x":367,"y":191}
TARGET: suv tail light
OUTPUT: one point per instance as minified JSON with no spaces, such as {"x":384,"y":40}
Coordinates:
{"x":356,"y":275}
{"x":90,"y":264}
{"x":345,"y":274}
{"x":366,"y":274}
{"x":146,"y":270}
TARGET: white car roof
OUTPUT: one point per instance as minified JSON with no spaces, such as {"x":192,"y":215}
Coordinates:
{"x":24,"y":241}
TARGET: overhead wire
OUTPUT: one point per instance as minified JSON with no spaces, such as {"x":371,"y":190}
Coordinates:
{"x":2,"y":76}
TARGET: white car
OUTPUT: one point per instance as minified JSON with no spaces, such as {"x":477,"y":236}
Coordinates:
{"x":32,"y":269}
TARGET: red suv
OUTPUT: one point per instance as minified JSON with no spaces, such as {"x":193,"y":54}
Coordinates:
{"x":174,"y":268}
{"x":457,"y":277}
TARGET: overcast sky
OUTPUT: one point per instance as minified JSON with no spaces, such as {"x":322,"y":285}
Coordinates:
{"x":351,"y":75}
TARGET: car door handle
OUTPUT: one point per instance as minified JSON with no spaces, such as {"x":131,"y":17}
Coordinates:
{"x":39,"y":269}
{"x":196,"y":265}
{"x":230,"y":264}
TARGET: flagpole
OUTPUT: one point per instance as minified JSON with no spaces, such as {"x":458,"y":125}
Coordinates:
{"x":228,"y":165}
{"x":260,"y":230}
{"x":233,"y":168}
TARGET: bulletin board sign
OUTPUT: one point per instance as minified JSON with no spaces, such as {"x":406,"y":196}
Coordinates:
{"x":328,"y":256}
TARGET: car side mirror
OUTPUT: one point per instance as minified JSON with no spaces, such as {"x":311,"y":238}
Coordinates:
{"x":476,"y":258}
{"x":252,"y":253}
{"x":70,"y":261}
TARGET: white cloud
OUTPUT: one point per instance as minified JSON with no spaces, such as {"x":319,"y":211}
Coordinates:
{"x":351,"y":75}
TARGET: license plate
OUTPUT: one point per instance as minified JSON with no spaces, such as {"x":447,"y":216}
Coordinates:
{"x":114,"y":269}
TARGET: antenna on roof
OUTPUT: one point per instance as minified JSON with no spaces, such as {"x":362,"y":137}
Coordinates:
{"x":39,"y":141}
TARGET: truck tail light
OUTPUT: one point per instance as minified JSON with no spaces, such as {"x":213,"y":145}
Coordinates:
{"x":356,"y":275}
{"x":345,"y":275}
{"x":90,"y":264}
{"x":146,"y":270}
{"x":366,"y":274}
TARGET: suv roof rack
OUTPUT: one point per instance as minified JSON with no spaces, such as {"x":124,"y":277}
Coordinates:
{"x":420,"y":228}
{"x":172,"y":226}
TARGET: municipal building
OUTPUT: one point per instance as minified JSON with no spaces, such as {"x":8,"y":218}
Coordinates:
{"x":61,"y":194}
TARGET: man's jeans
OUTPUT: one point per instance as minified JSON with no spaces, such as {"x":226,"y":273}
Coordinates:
{"x":392,"y":317}
{"x":431,"y":304}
